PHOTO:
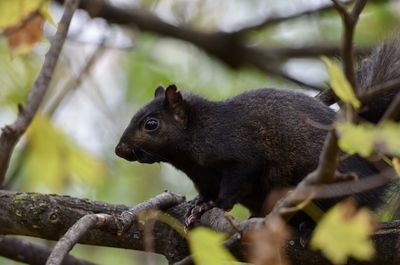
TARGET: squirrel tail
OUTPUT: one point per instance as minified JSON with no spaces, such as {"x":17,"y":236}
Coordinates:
{"x":381,"y":66}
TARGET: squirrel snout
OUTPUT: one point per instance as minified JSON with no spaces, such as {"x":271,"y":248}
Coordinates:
{"x":124,"y":151}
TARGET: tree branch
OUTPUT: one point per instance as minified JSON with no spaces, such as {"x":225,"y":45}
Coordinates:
{"x":11,"y":133}
{"x":50,"y":216}
{"x":230,"y":48}
{"x":24,"y":251}
{"x":393,"y":111}
{"x":350,"y":20}
{"x":108,"y":222}
{"x":281,"y":18}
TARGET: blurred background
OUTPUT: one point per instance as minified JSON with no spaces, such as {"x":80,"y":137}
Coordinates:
{"x":106,"y":72}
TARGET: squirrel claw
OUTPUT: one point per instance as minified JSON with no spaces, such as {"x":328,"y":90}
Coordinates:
{"x":195,"y":213}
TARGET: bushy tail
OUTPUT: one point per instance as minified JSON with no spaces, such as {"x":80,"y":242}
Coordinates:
{"x":381,"y":66}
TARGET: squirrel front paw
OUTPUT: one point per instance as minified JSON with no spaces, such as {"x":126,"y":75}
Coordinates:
{"x":194,"y":214}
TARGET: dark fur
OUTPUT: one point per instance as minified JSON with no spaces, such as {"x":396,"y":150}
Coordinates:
{"x":239,"y":149}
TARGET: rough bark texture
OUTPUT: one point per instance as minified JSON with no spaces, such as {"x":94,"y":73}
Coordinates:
{"x":50,"y":216}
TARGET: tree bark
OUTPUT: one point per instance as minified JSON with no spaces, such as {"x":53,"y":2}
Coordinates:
{"x":50,"y":216}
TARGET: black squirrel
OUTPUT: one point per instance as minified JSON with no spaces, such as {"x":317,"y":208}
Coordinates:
{"x":238,"y":150}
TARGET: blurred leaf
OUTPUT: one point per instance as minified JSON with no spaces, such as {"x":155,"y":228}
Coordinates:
{"x":52,"y":159}
{"x":364,"y":138}
{"x":206,"y":247}
{"x":340,"y":84}
{"x":396,"y":165}
{"x":267,"y":243}
{"x":356,"y":139}
{"x":22,"y":39}
{"x":13,"y":12}
{"x":344,"y":232}
{"x":388,"y":137}
{"x":16,"y":76}
{"x":22,"y":22}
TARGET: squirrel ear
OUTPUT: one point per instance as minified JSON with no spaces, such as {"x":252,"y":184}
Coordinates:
{"x":175,"y":104}
{"x":159,"y":91}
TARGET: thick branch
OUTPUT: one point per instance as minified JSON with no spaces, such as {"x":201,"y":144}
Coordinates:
{"x":24,"y":251}
{"x":50,"y":216}
{"x":109,"y":223}
{"x":11,"y":133}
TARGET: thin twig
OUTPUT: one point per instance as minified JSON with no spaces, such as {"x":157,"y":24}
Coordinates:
{"x":11,"y":133}
{"x":392,"y":113}
{"x":80,"y":228}
{"x":281,"y":18}
{"x":75,"y":82}
{"x":350,"y":20}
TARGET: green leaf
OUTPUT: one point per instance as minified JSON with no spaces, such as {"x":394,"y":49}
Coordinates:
{"x":340,"y":84}
{"x":388,"y":137}
{"x":53,"y":161}
{"x":344,"y":233}
{"x":356,"y":139}
{"x":364,"y":138}
{"x":207,"y":247}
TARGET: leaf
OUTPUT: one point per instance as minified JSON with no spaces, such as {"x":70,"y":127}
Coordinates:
{"x":206,"y":247}
{"x":22,"y":22}
{"x":21,"y":39}
{"x":388,"y":137}
{"x":364,"y":138}
{"x":344,"y":232}
{"x":340,"y":84}
{"x":356,"y":139}
{"x":52,"y":160}
{"x":396,"y":165}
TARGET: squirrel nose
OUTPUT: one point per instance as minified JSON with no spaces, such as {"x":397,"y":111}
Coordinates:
{"x":124,"y":151}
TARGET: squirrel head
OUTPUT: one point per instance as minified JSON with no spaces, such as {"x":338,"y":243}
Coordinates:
{"x":156,"y":128}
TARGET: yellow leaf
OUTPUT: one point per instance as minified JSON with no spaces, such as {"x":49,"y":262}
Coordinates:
{"x":21,"y":39}
{"x":45,"y":155}
{"x":396,"y":165}
{"x":344,"y":232}
{"x":340,"y":84}
{"x":53,"y":161}
{"x":13,"y":12}
{"x":388,"y":137}
{"x":364,"y":138}
{"x":356,"y":139}
{"x":22,"y":22}
{"x":206,"y":248}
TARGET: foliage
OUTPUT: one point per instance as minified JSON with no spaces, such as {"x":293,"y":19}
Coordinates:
{"x":206,"y":247}
{"x":48,"y":145}
{"x":340,"y":84}
{"x":344,"y":232}
{"x":364,"y":139}
{"x":22,"y":22}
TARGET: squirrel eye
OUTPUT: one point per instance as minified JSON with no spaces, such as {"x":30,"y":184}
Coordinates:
{"x":151,"y":124}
